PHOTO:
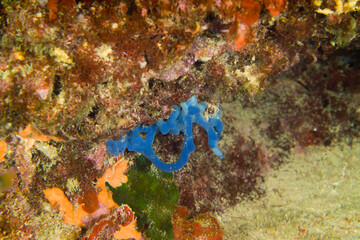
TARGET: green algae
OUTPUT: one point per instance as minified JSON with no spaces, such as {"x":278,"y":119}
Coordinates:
{"x":152,"y":195}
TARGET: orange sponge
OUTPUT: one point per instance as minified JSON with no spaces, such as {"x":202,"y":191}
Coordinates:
{"x":115,"y":176}
{"x":275,"y":6}
{"x":71,"y":215}
{"x":3,"y":148}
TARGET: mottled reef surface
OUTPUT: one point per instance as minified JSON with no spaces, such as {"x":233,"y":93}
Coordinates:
{"x":75,"y":73}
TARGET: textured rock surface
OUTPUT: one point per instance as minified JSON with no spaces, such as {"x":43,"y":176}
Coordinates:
{"x":77,"y":73}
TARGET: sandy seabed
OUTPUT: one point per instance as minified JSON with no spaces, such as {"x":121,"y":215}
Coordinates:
{"x":314,"y":196}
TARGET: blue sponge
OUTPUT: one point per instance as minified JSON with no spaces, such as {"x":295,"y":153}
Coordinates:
{"x":180,"y":120}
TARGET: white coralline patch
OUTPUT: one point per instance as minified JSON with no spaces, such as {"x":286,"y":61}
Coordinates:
{"x":61,"y":56}
{"x":114,"y":26}
{"x":142,"y":62}
{"x":251,"y":78}
{"x":340,"y":6}
{"x":73,"y":185}
{"x":42,"y":2}
{"x":146,"y":76}
{"x":48,"y":150}
{"x":43,"y":92}
{"x":104,"y":51}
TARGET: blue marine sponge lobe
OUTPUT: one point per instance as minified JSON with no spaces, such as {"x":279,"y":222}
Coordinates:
{"x":180,"y":120}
